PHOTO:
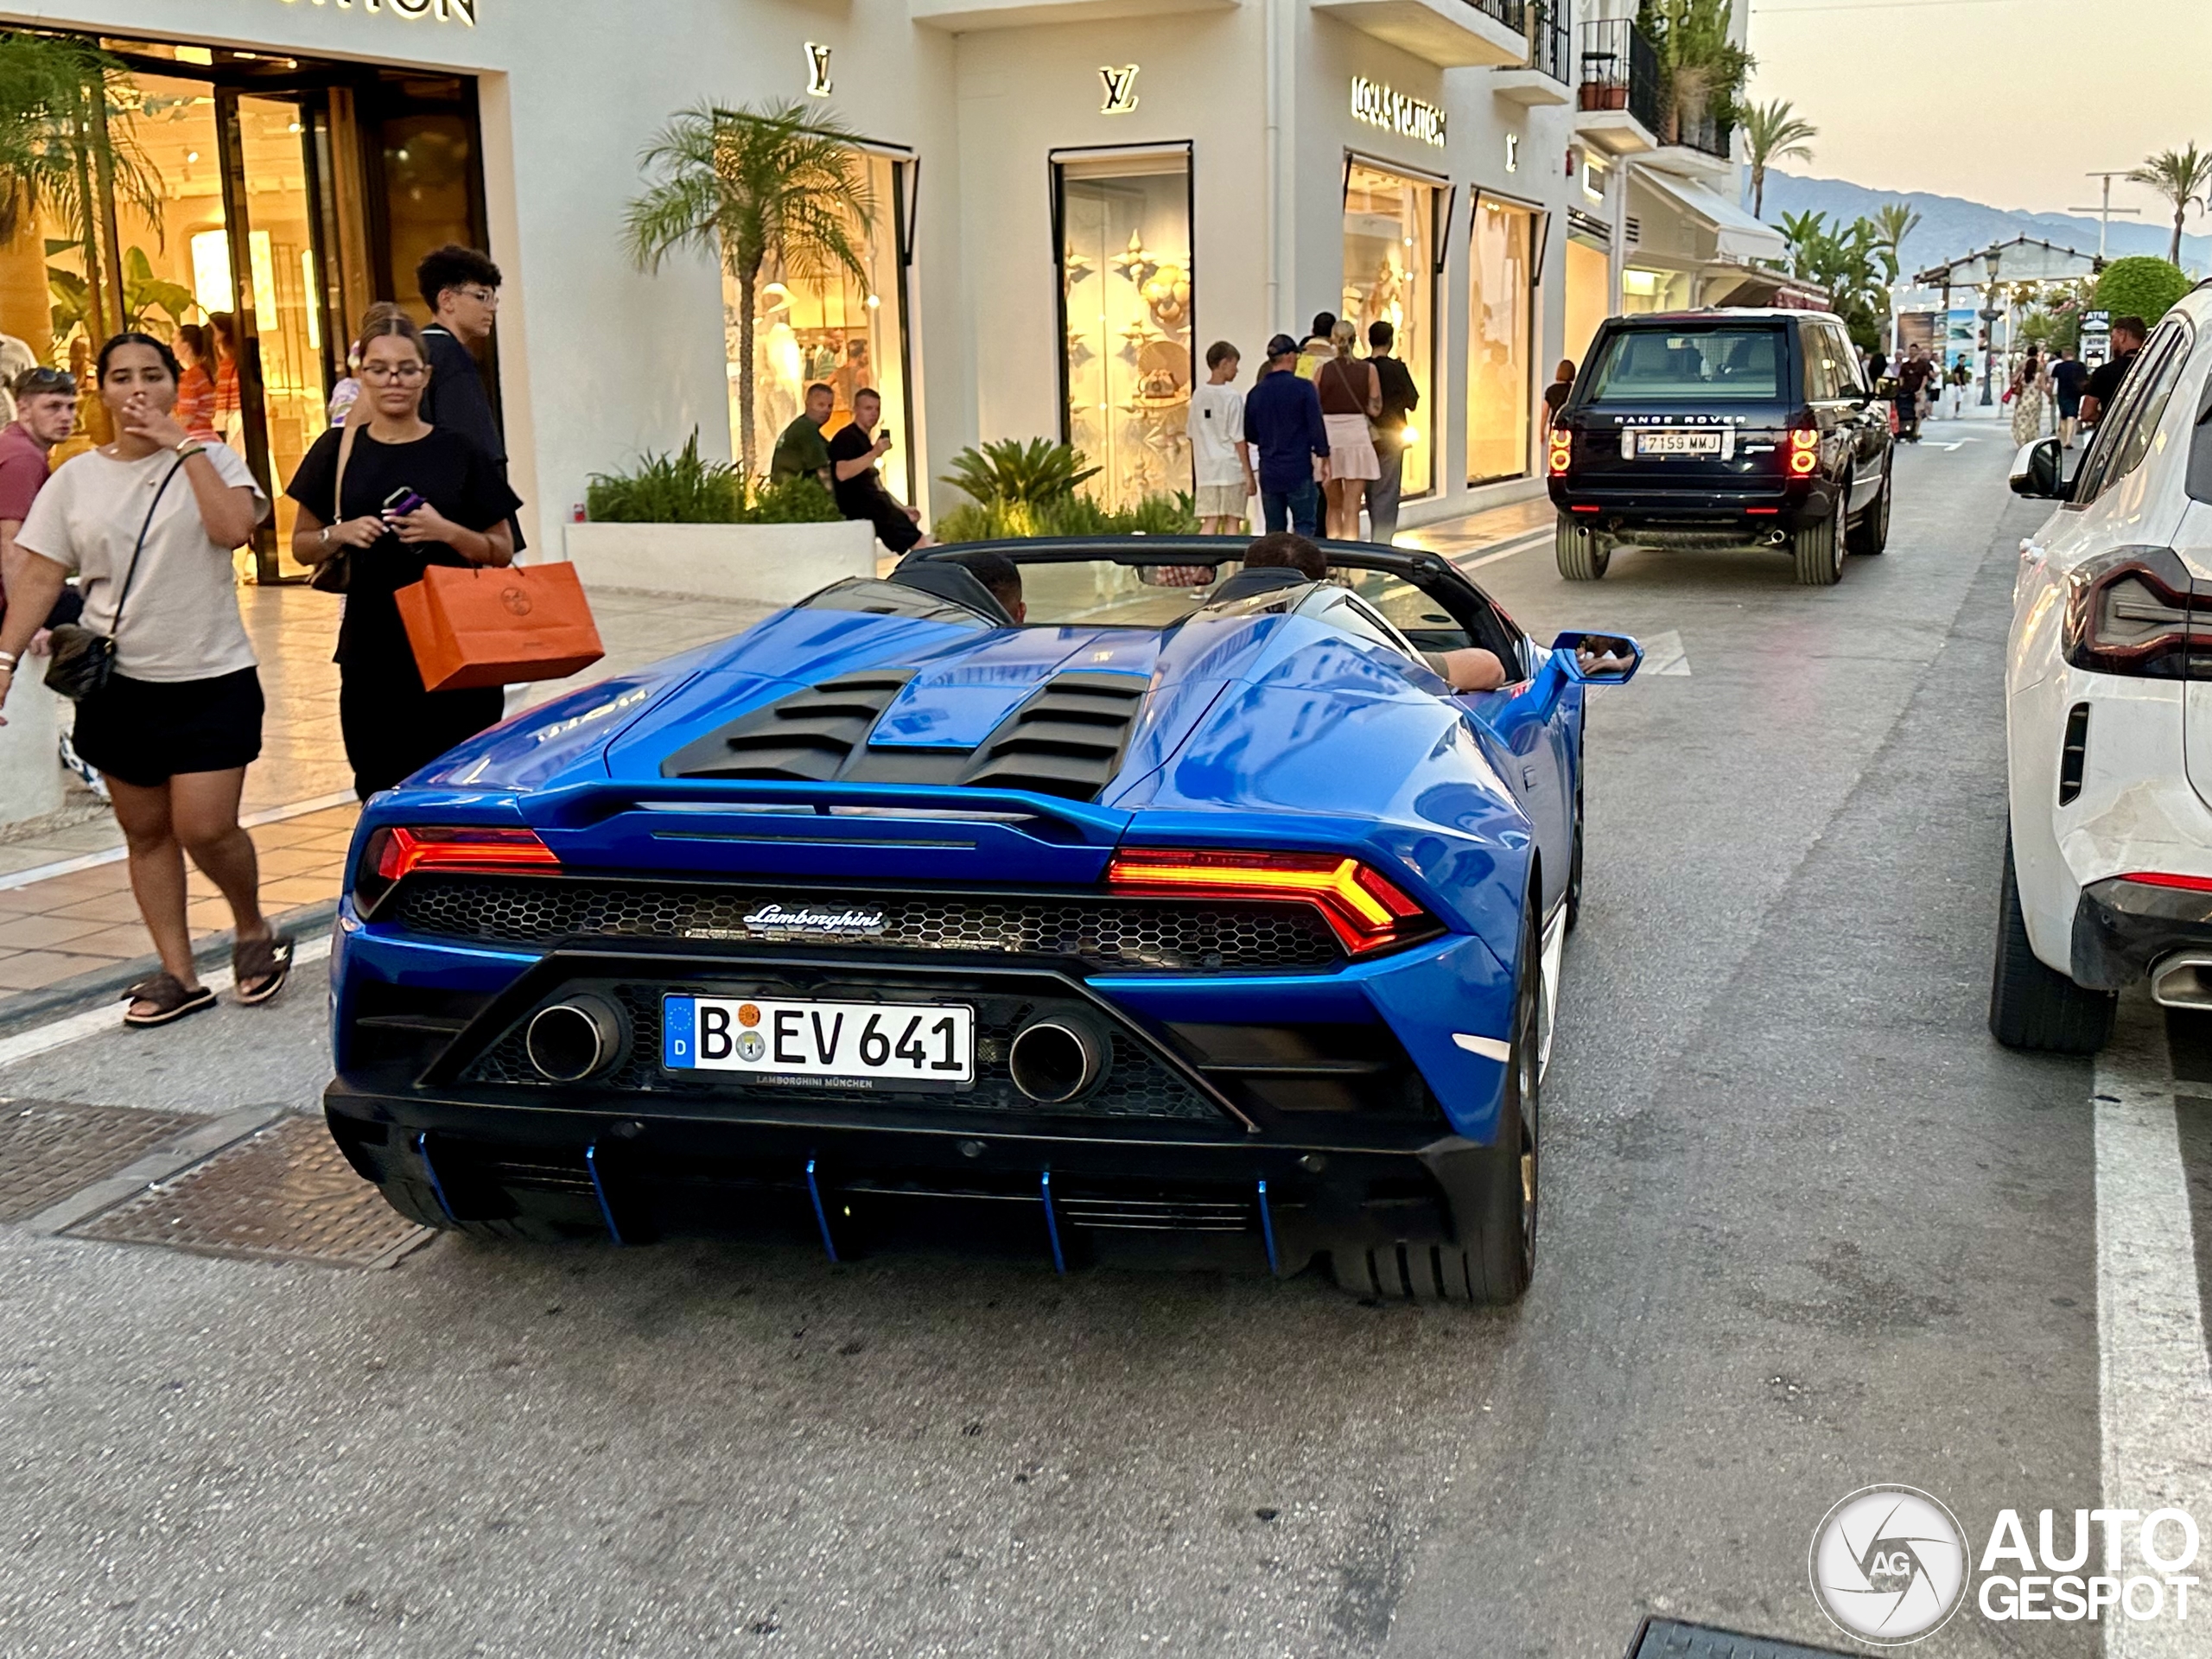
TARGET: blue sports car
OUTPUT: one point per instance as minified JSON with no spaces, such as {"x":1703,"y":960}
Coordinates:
{"x":1125,"y":906}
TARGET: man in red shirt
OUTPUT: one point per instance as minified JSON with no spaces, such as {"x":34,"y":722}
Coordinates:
{"x":46,"y":411}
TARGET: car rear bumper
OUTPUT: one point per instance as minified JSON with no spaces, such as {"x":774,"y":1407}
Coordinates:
{"x":1756,"y":510}
{"x":2122,"y":930}
{"x":594,"y":1165}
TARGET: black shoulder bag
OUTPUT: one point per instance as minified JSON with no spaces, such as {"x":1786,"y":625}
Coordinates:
{"x":335,"y":573}
{"x":80,"y":660}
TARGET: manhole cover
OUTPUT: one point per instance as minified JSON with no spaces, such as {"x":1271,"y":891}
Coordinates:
{"x":1667,"y":1638}
{"x":51,"y":1148}
{"x":286,"y":1195}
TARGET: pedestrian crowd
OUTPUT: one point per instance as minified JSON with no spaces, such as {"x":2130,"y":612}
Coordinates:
{"x":117,"y":583}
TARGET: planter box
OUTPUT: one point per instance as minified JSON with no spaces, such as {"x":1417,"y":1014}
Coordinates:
{"x":766,"y":564}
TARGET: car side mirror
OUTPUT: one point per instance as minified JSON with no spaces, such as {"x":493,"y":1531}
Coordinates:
{"x":1597,"y":658}
{"x":2038,"y":472}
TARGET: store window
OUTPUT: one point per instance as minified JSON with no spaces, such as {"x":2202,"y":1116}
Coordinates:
{"x":1501,"y":311}
{"x":833,"y":329}
{"x":1125,"y":317}
{"x":1646,"y":289}
{"x":244,"y":203}
{"x":1589,"y":296}
{"x":1390,"y":276}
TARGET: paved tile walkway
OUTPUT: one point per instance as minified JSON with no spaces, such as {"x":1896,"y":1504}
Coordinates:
{"x":65,"y":908}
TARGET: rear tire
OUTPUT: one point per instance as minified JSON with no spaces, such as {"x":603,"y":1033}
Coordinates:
{"x":1582,"y":556}
{"x":1575,"y":866}
{"x":1818,"y":551}
{"x":1871,"y":533}
{"x":1496,"y":1257}
{"x":2032,"y":1006}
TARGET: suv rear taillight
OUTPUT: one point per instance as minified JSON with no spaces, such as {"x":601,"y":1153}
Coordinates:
{"x":1802,"y":453}
{"x":395,"y":853}
{"x":2133,"y":610}
{"x":1363,"y":908}
{"x":1559,"y":451}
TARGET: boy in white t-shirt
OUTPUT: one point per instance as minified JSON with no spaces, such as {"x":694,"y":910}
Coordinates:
{"x":1221,"y":457}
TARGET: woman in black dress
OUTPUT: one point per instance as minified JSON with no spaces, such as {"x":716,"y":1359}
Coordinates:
{"x":393,"y":726}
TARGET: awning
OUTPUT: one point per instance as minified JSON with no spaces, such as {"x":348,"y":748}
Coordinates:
{"x":1737,"y":235}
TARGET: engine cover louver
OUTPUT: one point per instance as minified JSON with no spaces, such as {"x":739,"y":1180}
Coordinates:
{"x":1066,"y":739}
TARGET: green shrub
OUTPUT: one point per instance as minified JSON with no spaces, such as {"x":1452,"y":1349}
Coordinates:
{"x":2140,"y":286}
{"x":684,"y":489}
{"x":1012,"y":471}
{"x":1074,"y":515}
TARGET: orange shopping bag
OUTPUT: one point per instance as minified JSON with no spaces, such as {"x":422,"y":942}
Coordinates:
{"x":485,"y":626}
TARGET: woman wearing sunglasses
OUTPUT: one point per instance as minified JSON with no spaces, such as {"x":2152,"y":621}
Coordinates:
{"x":412,"y":495}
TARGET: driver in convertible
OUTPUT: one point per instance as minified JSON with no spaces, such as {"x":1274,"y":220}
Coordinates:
{"x":1282,"y":555}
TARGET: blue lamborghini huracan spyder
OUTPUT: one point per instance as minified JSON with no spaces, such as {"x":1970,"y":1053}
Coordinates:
{"x":1191,"y":918}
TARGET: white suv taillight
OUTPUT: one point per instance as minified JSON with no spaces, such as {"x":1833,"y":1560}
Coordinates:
{"x":2135,"y":611}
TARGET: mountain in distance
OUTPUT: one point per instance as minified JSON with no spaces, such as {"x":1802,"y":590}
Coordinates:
{"x":1949,"y":226}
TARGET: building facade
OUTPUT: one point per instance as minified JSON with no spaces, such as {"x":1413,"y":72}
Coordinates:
{"x":1072,"y":199}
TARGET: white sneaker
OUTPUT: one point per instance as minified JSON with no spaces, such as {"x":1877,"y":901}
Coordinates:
{"x":71,"y":761}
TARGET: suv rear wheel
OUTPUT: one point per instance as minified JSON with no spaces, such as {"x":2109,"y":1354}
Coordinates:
{"x":1871,"y":533}
{"x":1583,"y":556}
{"x":1818,"y":550}
{"x":2032,"y":1006}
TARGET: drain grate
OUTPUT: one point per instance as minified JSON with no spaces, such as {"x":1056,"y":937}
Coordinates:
{"x":1667,"y":1638}
{"x":51,"y":1148}
{"x":287,"y":1194}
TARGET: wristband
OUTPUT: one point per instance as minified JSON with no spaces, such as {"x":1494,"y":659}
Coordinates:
{"x":188,"y":448}
{"x":8,"y":660}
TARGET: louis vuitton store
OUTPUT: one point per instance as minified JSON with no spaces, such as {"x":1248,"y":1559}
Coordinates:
{"x":1066,"y":207}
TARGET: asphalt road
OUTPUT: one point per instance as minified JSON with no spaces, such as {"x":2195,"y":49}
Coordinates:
{"x":1805,"y":1229}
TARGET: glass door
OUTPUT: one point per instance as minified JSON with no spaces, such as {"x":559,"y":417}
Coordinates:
{"x":1390,"y":276}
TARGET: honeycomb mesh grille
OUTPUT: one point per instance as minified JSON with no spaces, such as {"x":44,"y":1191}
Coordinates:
{"x":1136,"y":1085}
{"x":1104,"y":932}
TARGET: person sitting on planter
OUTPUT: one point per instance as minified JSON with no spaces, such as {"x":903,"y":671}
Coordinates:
{"x":859,"y":488}
{"x":802,"y":448}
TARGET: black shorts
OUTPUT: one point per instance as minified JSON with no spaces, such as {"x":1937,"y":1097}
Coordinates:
{"x":146,"y":732}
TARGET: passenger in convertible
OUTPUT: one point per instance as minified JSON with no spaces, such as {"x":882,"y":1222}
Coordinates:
{"x":1285,"y":554}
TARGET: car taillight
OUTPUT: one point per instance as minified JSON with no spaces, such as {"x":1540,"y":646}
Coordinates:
{"x":393,"y":853}
{"x":2163,"y":879}
{"x":1804,"y":452}
{"x":2132,"y":610}
{"x":1364,"y":911}
{"x":1560,"y":451}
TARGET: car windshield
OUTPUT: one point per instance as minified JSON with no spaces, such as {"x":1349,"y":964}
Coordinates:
{"x":1710,"y":364}
{"x":1106,"y":592}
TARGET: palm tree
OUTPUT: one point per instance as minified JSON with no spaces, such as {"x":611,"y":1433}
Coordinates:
{"x":65,"y":147}
{"x":747,"y":185}
{"x":1893,"y":223}
{"x":1774,"y":132}
{"x":2181,"y":177}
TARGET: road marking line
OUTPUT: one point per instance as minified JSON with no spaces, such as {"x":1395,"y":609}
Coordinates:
{"x":1663,"y":653}
{"x":2154,"y":1378}
{"x":115,"y":855}
{"x":1520,"y":544}
{"x":42,"y":1039}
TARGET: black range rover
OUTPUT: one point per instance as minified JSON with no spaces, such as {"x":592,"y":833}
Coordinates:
{"x":1721,"y":428}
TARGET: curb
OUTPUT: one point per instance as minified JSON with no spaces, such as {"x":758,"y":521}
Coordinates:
{"x":87,"y":990}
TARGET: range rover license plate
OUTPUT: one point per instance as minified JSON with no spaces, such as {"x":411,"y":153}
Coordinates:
{"x":882,"y":1044}
{"x":1678,"y":443}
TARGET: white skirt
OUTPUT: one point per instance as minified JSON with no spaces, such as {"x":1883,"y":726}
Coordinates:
{"x":1352,"y":451}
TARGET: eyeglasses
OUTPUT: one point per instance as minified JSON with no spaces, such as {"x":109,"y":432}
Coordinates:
{"x":380,"y":374}
{"x":31,"y":382}
{"x":482,"y":295}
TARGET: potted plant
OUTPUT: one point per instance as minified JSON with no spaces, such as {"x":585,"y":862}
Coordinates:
{"x":745,"y":185}
{"x":682,"y":524}
{"x":1701,"y":69}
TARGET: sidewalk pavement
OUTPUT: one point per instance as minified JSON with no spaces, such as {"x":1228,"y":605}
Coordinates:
{"x":69,"y":929}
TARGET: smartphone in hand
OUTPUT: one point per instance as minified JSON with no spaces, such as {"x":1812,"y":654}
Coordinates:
{"x":401,"y":502}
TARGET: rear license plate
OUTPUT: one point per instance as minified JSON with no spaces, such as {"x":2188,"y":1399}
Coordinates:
{"x":898,"y":1045}
{"x":1678,"y":443}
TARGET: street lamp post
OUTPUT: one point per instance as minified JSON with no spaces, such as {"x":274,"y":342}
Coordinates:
{"x":1990,"y":313}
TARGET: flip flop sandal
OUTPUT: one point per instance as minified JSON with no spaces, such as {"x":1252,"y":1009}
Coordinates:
{"x":170,"y":1000}
{"x":268,"y":959}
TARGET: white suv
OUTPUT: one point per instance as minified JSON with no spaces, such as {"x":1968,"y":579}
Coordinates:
{"x":2108,"y":712}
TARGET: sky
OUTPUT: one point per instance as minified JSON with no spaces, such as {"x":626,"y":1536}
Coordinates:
{"x":2007,"y":102}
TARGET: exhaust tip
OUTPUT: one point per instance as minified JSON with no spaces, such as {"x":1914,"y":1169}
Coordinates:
{"x":2183,"y":982}
{"x":575,"y":1039}
{"x":1057,"y":1059}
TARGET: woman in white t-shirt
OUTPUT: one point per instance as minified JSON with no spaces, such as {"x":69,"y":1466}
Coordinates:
{"x":149,"y":523}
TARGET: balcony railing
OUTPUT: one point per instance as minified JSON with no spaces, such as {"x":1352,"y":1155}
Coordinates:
{"x":1551,"y":39}
{"x":1705,"y":133}
{"x":1509,"y":12}
{"x":1619,"y":71}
